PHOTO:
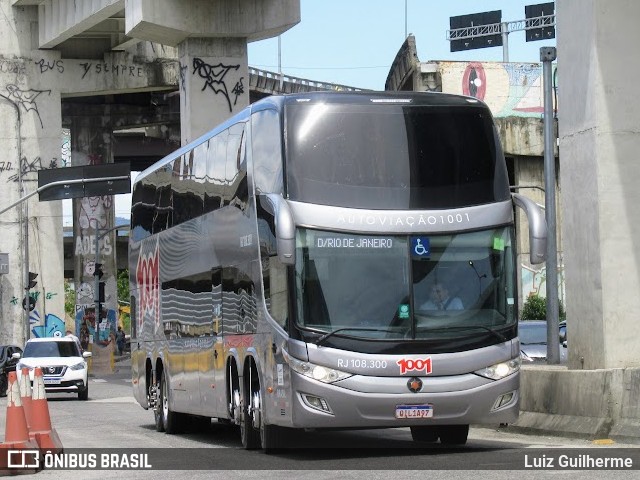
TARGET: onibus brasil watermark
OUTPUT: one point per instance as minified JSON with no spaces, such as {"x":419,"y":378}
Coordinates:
{"x":35,"y":459}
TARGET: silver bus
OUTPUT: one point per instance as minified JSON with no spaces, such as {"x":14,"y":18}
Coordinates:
{"x":331,"y":260}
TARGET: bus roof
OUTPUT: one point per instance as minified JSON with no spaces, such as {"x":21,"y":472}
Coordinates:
{"x":347,"y":98}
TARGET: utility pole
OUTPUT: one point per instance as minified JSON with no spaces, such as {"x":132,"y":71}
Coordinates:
{"x":548,"y":55}
{"x":97,"y":274}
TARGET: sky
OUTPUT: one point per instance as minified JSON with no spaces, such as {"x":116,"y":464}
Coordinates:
{"x":354,"y":42}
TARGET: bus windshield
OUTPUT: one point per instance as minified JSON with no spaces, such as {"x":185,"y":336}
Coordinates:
{"x":413,"y":287}
{"x":394,"y":156}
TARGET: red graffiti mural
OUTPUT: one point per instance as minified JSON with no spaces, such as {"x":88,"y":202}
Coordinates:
{"x":148,"y":277}
{"x":474,"y":81}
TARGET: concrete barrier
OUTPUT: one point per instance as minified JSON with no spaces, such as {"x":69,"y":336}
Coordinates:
{"x":102,"y":359}
{"x":589,"y":404}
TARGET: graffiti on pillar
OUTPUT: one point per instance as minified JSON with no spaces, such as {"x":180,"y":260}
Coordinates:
{"x":32,"y":166}
{"x":101,"y":68}
{"x":213,"y":76}
{"x":86,"y":324}
{"x":84,"y":294}
{"x":65,"y":147}
{"x":53,"y":327}
{"x":183,"y":76}
{"x":46,"y":65}
{"x":238,"y":90}
{"x":12,"y":66}
{"x":93,"y":211}
{"x":25,"y":98}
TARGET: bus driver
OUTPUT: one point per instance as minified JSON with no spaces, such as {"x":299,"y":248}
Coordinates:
{"x":439,"y":299}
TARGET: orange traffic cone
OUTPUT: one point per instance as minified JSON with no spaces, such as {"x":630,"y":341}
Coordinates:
{"x":16,"y":435}
{"x":25,"y":394}
{"x":16,"y":430}
{"x":40,"y":426}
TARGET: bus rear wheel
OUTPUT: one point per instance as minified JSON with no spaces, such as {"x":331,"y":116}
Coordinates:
{"x":251,"y":417}
{"x":166,"y":420}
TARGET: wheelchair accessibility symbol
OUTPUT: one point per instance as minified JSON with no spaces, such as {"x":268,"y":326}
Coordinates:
{"x":420,"y":247}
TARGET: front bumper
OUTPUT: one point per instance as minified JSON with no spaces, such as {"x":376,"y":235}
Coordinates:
{"x":71,"y":381}
{"x":462,"y":399}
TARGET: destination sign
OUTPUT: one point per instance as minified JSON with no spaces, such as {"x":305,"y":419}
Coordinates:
{"x":354,"y":242}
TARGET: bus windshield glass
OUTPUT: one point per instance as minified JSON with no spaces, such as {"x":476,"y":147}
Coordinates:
{"x":393,"y":156}
{"x":404,"y":287}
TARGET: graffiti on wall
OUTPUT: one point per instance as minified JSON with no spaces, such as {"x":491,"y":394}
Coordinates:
{"x":534,"y":281}
{"x":214,"y":78}
{"x":29,"y":167}
{"x":53,"y":327}
{"x":86,"y":325}
{"x":25,"y":98}
{"x":509,"y":89}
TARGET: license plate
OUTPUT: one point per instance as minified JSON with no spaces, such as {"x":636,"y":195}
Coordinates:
{"x":414,"y":411}
{"x":52,"y":381}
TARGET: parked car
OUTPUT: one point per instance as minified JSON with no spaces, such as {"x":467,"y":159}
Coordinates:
{"x":533,"y":340}
{"x":7,"y":364}
{"x":64,"y":366}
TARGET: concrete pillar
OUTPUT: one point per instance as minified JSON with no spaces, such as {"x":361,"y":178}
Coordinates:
{"x":214,"y":83}
{"x":600,"y":176}
{"x":30,"y":140}
{"x":91,"y":144}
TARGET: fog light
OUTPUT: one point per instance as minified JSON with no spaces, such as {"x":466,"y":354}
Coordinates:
{"x":503,"y":400}
{"x":316,"y":403}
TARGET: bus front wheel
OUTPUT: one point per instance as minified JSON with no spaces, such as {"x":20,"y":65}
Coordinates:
{"x":424,"y":434}
{"x":453,"y":434}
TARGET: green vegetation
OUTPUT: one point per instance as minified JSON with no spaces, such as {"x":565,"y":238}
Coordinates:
{"x":535,"y":308}
{"x":69,"y":299}
{"x":124,"y":299}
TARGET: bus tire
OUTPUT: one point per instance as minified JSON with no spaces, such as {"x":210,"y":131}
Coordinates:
{"x":251,"y":418}
{"x":166,"y":420}
{"x":427,"y":433}
{"x":273,"y":438}
{"x":453,"y":434}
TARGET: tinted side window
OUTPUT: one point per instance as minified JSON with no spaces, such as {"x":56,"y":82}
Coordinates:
{"x":163,"y":215}
{"x":266,"y":144}
{"x":274,"y":273}
{"x":216,"y":164}
{"x":142,"y":209}
{"x":186,"y":203}
{"x":237,"y":193}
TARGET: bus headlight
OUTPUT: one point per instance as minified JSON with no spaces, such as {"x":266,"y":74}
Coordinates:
{"x":317,"y":372}
{"x":500,"y":370}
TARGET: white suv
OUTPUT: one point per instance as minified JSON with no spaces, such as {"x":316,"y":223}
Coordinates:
{"x":63,"y":364}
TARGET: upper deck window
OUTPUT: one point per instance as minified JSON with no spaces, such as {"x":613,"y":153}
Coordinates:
{"x":385,"y":156}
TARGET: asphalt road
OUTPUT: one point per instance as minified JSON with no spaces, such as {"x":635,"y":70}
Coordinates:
{"x":111,"y":421}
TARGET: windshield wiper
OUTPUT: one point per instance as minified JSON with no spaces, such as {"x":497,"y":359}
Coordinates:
{"x":324,"y":334}
{"x":497,"y":334}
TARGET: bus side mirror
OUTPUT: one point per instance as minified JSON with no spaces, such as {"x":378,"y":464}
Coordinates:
{"x":537,"y":228}
{"x":285,"y":227}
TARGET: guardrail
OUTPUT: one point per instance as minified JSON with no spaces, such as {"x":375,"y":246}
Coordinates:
{"x":273,"y":82}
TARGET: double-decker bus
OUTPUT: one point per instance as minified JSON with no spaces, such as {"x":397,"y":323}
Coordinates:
{"x":283,"y":270}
